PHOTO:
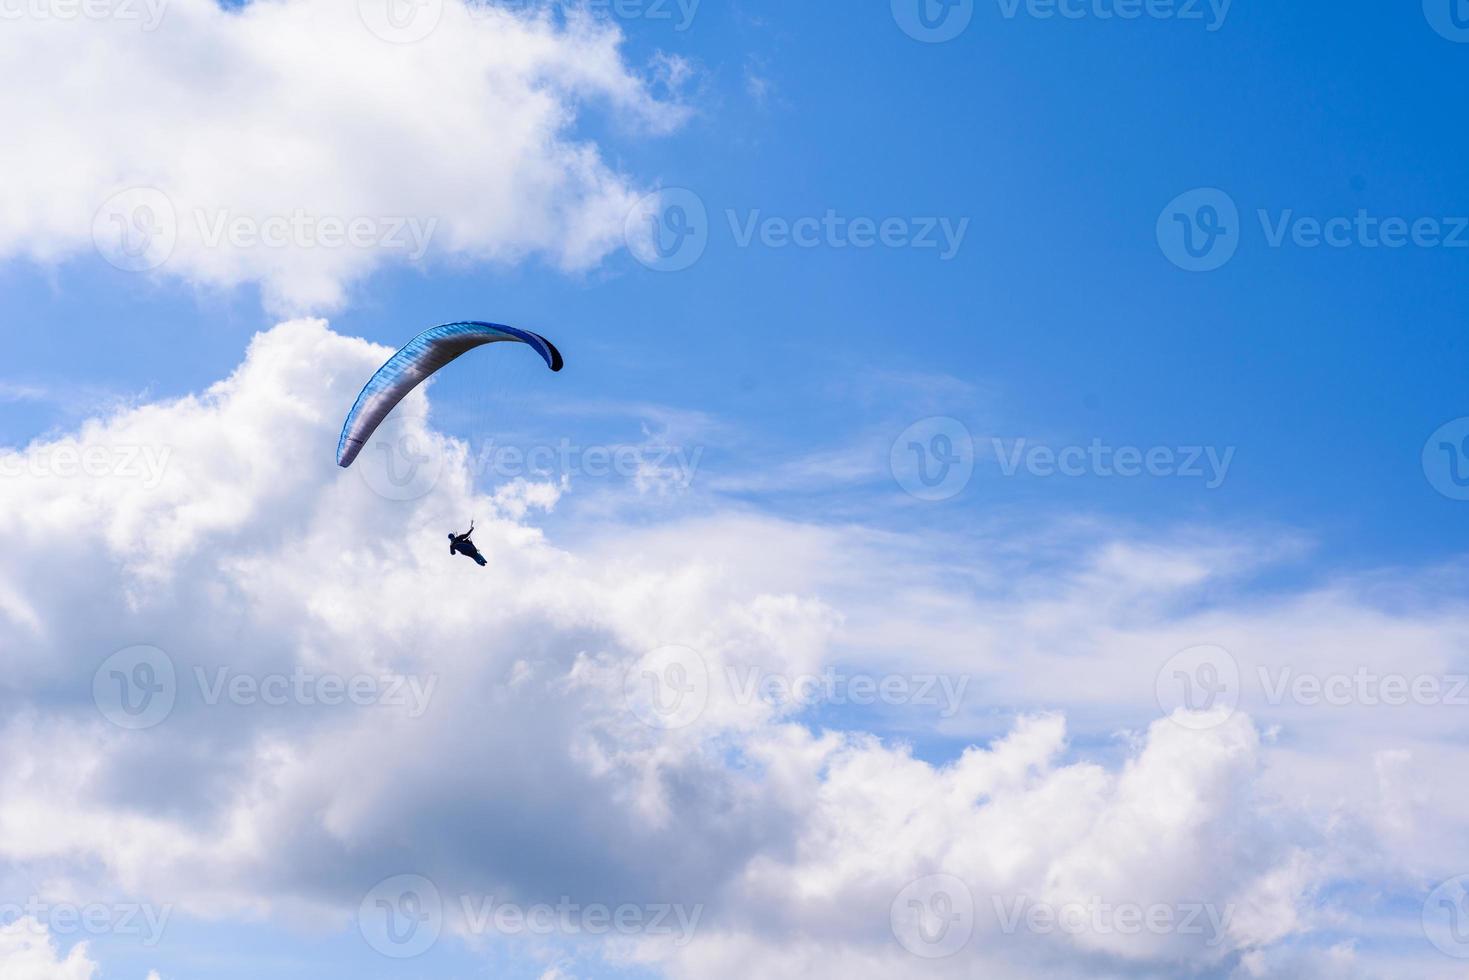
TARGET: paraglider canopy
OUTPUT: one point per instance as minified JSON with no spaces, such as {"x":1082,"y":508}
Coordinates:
{"x":415,"y":363}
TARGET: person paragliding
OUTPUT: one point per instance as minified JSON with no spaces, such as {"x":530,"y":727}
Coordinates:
{"x":416,"y":362}
{"x":459,"y":544}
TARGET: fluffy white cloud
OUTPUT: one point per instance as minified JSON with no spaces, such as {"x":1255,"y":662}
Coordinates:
{"x":216,"y":535}
{"x":300,"y":144}
{"x":27,"y":952}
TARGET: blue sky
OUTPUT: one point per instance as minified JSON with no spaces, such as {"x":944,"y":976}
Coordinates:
{"x":1059,"y":142}
{"x":1051,"y":149}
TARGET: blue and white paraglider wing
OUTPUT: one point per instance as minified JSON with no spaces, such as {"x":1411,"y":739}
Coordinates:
{"x":415,"y":363}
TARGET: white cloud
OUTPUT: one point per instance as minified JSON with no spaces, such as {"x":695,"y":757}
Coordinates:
{"x":279,"y":115}
{"x":27,"y":952}
{"x":250,"y":555}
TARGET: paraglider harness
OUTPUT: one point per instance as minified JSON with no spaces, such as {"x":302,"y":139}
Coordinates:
{"x":459,"y":544}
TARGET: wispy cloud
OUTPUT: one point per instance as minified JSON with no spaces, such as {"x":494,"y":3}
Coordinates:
{"x":11,"y":391}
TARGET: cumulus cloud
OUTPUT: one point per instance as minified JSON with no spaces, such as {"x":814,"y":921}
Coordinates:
{"x":299,"y":144}
{"x":27,"y":952}
{"x":284,"y":692}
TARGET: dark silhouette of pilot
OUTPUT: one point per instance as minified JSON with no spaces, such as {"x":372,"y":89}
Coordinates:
{"x":459,"y":544}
